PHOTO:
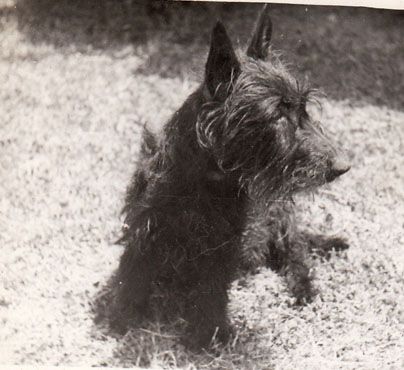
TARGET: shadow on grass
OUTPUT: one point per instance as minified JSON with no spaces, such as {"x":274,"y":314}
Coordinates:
{"x":351,"y":53}
{"x":157,"y":339}
{"x":138,"y":339}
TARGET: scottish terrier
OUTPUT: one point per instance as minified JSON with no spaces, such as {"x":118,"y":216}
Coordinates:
{"x":212,"y":194}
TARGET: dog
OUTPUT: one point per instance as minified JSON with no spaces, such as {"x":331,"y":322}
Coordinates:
{"x":212,"y":194}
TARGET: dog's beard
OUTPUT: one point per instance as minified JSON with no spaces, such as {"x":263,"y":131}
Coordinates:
{"x":267,"y":186}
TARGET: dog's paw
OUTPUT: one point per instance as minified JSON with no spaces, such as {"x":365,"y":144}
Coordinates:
{"x":304,"y":293}
{"x":337,"y":244}
{"x":208,"y":338}
{"x":300,"y":285}
{"x":329,"y":246}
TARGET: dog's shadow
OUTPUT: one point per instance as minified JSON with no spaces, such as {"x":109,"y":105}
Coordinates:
{"x":139,"y":339}
{"x":158,"y":337}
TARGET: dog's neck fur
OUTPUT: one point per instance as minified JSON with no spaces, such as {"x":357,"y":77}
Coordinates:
{"x":204,"y":170}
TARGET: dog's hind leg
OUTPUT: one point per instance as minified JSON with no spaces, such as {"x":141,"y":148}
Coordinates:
{"x":132,"y":287}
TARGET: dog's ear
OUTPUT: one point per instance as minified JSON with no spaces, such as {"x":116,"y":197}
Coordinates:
{"x":222,"y":67}
{"x":258,"y":48}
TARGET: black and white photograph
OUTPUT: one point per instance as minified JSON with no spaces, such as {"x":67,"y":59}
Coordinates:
{"x":201,"y":184}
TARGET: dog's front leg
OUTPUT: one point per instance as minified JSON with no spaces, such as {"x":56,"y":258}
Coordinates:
{"x":287,"y":254}
{"x":290,"y":254}
{"x":207,"y":307}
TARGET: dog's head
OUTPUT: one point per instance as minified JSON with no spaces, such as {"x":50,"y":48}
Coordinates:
{"x":255,"y":121}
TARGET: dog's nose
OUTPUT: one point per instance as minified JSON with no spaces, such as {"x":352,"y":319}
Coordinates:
{"x":338,"y":167}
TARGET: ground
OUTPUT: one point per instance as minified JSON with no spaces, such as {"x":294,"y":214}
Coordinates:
{"x":78,"y":81}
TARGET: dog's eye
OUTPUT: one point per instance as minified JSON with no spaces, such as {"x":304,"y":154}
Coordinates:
{"x":302,"y":118}
{"x":286,"y":105}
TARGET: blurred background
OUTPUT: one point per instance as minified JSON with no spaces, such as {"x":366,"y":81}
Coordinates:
{"x":354,"y":53}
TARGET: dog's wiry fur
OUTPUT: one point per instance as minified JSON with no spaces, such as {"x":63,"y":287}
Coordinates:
{"x":213,"y":193}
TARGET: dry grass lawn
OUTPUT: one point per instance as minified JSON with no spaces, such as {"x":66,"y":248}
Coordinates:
{"x":78,"y":80}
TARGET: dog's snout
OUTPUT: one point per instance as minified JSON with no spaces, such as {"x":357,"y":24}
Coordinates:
{"x":338,"y":167}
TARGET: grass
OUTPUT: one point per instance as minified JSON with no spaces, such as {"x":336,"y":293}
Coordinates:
{"x":78,"y":80}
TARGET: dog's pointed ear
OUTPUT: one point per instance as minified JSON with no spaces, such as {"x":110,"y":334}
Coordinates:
{"x":258,"y":48}
{"x":222,"y":66}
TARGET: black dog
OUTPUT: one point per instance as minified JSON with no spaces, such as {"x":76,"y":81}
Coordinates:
{"x":212,"y":193}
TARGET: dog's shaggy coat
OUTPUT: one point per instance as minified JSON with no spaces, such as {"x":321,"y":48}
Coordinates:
{"x":213,"y":194}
